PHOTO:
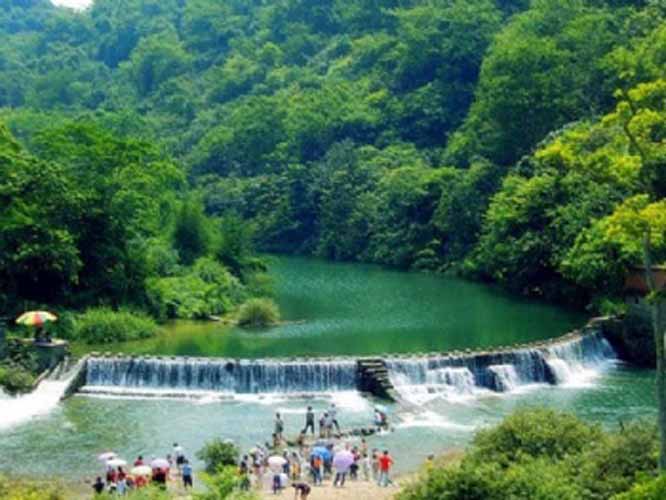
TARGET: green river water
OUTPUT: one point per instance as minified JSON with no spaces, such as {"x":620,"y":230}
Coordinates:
{"x":331,"y":309}
{"x":355,"y":309}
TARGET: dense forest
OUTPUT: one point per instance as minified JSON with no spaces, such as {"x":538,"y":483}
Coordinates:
{"x":511,"y":140}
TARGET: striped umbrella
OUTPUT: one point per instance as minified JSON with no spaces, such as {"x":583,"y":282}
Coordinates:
{"x":36,"y":318}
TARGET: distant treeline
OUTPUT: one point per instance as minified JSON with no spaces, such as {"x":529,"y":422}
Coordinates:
{"x":513,"y":140}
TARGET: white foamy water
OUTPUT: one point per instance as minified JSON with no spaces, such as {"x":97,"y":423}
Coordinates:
{"x":507,"y":376}
{"x":73,"y":4}
{"x":430,"y":419}
{"x":44,"y":399}
{"x":573,"y":363}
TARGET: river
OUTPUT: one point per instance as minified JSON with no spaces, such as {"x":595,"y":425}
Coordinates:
{"x":355,"y":309}
{"x":331,"y":309}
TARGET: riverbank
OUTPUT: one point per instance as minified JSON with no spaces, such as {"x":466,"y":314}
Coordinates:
{"x":357,"y":490}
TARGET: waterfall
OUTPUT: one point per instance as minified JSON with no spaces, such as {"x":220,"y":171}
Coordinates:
{"x":572,"y":360}
{"x":47,"y":395}
{"x":221,"y":375}
{"x":568,"y":361}
{"x":574,"y":363}
{"x":506,"y":376}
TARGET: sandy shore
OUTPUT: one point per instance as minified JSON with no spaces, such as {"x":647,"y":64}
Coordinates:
{"x":353,"y":490}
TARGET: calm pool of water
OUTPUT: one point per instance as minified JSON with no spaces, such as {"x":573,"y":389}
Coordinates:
{"x":337,"y":309}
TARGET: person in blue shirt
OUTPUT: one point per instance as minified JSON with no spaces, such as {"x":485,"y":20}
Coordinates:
{"x":187,"y":474}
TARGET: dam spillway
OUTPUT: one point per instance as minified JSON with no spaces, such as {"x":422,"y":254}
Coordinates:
{"x":558,"y":361}
{"x":223,"y":375}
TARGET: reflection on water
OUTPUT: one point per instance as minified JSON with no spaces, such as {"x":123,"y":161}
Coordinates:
{"x":338,"y":309}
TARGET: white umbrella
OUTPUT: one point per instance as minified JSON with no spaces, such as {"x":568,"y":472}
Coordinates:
{"x":116,"y":462}
{"x":106,"y":456}
{"x":160,"y":463}
{"x":141,"y":470}
{"x":276,"y":463}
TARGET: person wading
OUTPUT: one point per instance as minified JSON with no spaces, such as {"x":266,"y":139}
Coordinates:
{"x":279,"y":427}
{"x":309,"y":421}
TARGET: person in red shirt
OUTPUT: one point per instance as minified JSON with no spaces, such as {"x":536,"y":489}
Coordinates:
{"x":138,"y":461}
{"x":385,"y":463}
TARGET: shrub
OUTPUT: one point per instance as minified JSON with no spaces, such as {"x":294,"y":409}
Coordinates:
{"x":223,"y":485}
{"x":547,"y":455}
{"x":539,"y":479}
{"x":612,"y":464}
{"x":25,"y":490}
{"x":533,"y":433}
{"x":102,"y":325}
{"x":463,"y":482}
{"x":207,"y":289}
{"x":258,"y":312}
{"x":15,"y":379}
{"x":218,"y":453}
{"x":650,"y":490}
{"x":146,"y":493}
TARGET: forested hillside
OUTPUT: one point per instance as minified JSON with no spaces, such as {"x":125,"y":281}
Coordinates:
{"x":514,"y":140}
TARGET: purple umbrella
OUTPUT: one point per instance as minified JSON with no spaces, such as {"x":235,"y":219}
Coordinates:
{"x":343,"y":460}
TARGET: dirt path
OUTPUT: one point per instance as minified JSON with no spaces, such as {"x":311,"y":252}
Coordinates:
{"x":353,"y":490}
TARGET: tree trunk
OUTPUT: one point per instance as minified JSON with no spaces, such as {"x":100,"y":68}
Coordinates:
{"x":658,"y":309}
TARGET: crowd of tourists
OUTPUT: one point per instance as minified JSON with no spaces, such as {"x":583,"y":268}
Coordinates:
{"x":122,"y":478}
{"x":276,"y":465}
{"x":314,"y":457}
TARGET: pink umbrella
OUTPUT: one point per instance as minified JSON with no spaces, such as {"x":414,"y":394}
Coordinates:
{"x":160,"y":463}
{"x":343,"y":460}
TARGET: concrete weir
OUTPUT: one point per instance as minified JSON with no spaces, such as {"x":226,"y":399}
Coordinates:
{"x":390,"y":377}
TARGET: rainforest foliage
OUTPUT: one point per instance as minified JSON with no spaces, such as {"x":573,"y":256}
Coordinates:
{"x":514,"y":140}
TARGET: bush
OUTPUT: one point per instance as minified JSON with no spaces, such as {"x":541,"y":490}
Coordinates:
{"x":464,"y":482}
{"x":102,"y":325}
{"x":258,"y":312}
{"x":15,"y":379}
{"x":533,"y":433}
{"x":613,"y":463}
{"x":547,"y":455}
{"x":24,"y":490}
{"x":650,"y":490}
{"x":217,"y":454}
{"x":147,"y":493}
{"x":207,"y":289}
{"x":223,"y":485}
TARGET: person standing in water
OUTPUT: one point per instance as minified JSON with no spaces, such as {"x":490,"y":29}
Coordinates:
{"x":333,"y":413}
{"x":279,"y":427}
{"x":309,"y":421}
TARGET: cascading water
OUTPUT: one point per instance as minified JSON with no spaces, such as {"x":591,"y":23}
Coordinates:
{"x":41,"y":401}
{"x":575,"y":363}
{"x":506,"y":376}
{"x":417,"y":379}
{"x":570,"y":361}
{"x":183,"y":375}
